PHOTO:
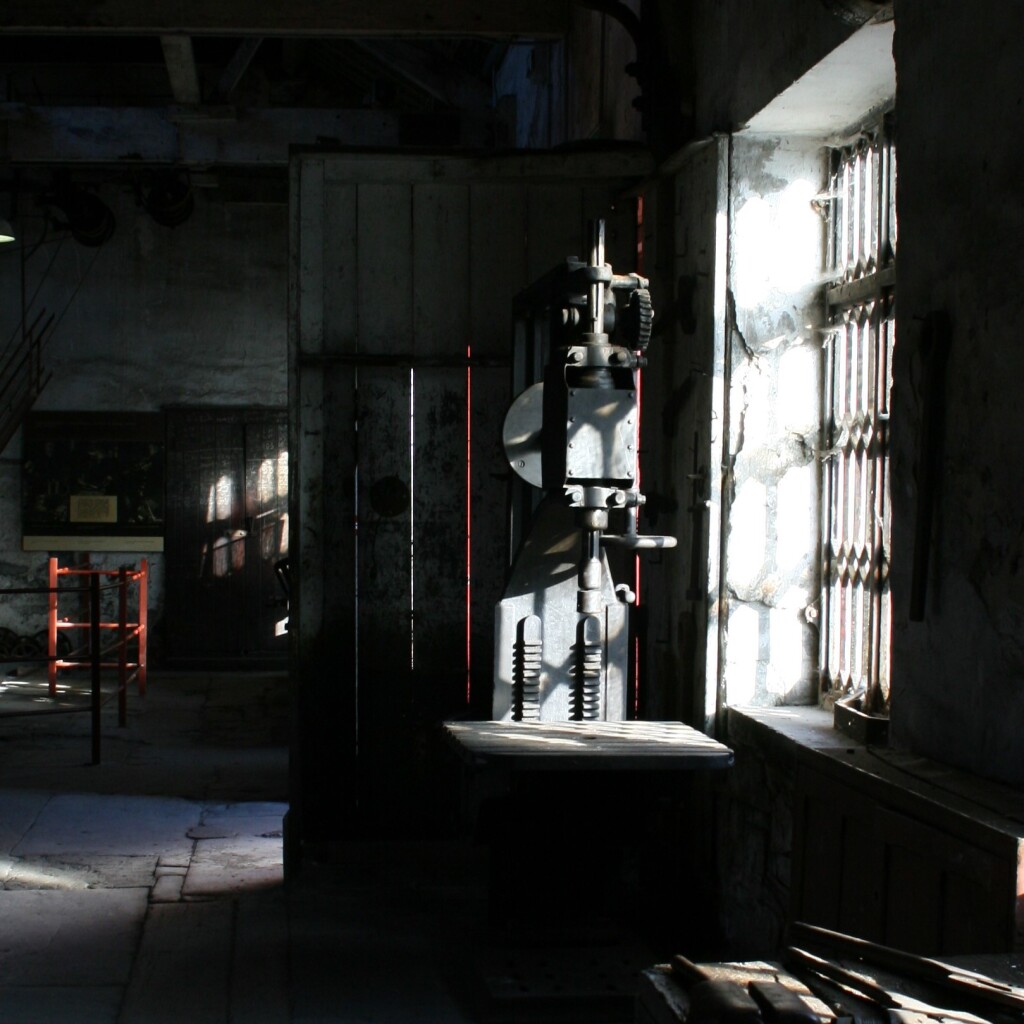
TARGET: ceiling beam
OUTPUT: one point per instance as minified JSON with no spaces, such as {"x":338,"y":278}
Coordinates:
{"x":204,"y":136}
{"x":444,"y":80}
{"x":507,"y":19}
{"x":181,"y":69}
{"x":237,"y":66}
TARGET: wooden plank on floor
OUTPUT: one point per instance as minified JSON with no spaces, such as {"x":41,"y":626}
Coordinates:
{"x":182,"y":970}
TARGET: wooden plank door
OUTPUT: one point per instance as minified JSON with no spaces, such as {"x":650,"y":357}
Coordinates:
{"x":404,"y":271}
{"x":227,"y":527}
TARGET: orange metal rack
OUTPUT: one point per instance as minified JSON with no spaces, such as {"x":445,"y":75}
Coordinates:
{"x":126,"y":634}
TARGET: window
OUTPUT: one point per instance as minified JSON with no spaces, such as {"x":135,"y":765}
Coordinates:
{"x":860,"y":255}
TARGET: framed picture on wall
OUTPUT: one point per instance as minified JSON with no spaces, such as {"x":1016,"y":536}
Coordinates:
{"x":93,"y":482}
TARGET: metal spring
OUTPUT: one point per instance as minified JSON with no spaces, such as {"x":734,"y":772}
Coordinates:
{"x":589,"y":703}
{"x":526,"y":668}
{"x":589,"y":650}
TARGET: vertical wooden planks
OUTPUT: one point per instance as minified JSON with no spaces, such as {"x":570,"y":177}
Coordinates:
{"x":498,"y":255}
{"x":441,"y":330}
{"x":383,"y":498}
{"x":876,"y":859}
{"x":322,"y":619}
{"x":341,"y":280}
{"x":555,"y":226}
{"x":914,"y":900}
{"x":619,"y":215}
{"x":420,"y":259}
{"x":488,"y":490}
{"x":306,"y":398}
{"x":384,"y":269}
{"x":340,"y":319}
{"x":817,"y":852}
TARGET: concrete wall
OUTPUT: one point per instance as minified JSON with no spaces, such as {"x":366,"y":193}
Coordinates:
{"x":958,"y":675}
{"x":194,"y":315}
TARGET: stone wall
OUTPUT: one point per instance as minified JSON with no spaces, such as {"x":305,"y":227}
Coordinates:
{"x":194,"y":315}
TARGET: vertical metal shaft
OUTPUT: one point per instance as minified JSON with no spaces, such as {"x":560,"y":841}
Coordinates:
{"x":589,"y":600}
{"x":595,"y":297}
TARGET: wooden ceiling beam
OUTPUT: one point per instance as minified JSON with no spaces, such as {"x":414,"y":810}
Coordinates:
{"x":203,"y":136}
{"x":437,"y":77}
{"x":181,"y":68}
{"x":527,"y":19}
{"x":237,"y":66}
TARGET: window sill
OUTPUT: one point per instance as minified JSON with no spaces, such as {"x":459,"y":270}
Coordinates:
{"x":806,"y":736}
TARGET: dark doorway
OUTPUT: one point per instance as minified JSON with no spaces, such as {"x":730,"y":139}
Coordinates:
{"x":227,"y":531}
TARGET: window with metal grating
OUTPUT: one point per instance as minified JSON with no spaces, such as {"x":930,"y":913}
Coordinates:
{"x":860,"y":262}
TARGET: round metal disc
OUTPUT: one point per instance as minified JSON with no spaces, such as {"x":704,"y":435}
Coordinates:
{"x":521,"y":434}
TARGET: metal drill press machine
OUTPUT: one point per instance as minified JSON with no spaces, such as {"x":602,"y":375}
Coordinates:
{"x":562,"y":626}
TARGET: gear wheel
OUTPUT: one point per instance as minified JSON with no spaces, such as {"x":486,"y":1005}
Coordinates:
{"x":639,"y":320}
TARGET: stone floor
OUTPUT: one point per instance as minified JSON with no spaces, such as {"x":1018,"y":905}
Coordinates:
{"x":150,"y":888}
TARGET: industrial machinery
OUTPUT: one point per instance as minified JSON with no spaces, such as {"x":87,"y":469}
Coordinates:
{"x":562,"y":626}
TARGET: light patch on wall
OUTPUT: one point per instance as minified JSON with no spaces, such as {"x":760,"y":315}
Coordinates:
{"x":748,"y":534}
{"x":786,"y":659}
{"x":228,"y":554}
{"x":794,"y":526}
{"x":776,"y":239}
{"x":752,"y":393}
{"x":282,"y":474}
{"x":744,"y":650}
{"x":266,"y":482}
{"x":799,"y":401}
{"x":220,"y":556}
{"x":220,"y":499}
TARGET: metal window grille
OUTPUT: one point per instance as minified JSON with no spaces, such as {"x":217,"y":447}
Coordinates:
{"x":860,"y":255}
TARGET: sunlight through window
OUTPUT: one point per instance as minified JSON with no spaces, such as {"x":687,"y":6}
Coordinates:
{"x":221,"y":500}
{"x":282,"y":474}
{"x":266,"y":481}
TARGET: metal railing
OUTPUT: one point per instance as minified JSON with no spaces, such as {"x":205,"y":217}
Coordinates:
{"x":22,"y":375}
{"x":94,"y":654}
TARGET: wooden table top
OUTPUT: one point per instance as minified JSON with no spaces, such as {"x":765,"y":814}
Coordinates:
{"x":567,"y":746}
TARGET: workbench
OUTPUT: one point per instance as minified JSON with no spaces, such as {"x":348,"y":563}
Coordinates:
{"x":587,"y":745}
{"x":575,"y":793}
{"x":569,"y":813}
